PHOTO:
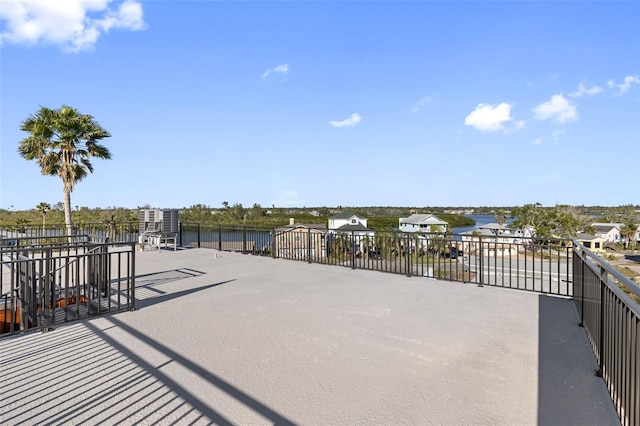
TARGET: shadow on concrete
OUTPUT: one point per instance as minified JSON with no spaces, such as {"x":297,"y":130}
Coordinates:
{"x":148,"y":293}
{"x":167,"y":276}
{"x":196,"y":401}
{"x":108,"y":383}
{"x":633,"y":257}
{"x":569,"y":393}
{"x":164,"y":296}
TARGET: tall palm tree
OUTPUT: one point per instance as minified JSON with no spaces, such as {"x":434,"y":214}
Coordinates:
{"x":62,"y":142}
{"x":43,"y":208}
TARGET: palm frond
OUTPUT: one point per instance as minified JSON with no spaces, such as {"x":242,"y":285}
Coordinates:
{"x":62,"y":141}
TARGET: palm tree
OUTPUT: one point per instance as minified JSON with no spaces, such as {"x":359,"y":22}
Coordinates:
{"x":629,"y":231}
{"x":43,"y":208}
{"x":62,"y":142}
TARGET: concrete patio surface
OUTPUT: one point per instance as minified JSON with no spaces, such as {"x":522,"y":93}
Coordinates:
{"x":227,"y":338}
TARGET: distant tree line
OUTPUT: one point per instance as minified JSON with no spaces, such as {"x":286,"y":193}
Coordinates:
{"x":559,"y":221}
{"x":565,"y":221}
{"x":53,"y":215}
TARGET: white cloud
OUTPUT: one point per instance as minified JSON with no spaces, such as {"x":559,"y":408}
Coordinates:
{"x":490,"y":118}
{"x":610,"y":83}
{"x":537,"y":141}
{"x":279,"y":69}
{"x":348,"y":122}
{"x":626,"y":84}
{"x":558,"y":109}
{"x":583,"y":90}
{"x":75,"y":25}
{"x":421,"y":102}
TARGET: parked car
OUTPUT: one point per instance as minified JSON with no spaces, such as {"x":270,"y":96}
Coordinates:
{"x":450,"y":252}
{"x":374,"y":253}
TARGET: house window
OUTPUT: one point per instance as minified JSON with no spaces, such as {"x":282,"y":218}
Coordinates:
{"x":597,"y":245}
{"x":354,"y":221}
{"x":587,"y":244}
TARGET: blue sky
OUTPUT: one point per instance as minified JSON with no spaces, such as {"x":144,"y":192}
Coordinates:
{"x":330,"y":103}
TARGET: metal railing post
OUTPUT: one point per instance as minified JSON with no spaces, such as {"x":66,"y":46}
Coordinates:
{"x":198,"y":235}
{"x":273,"y":243}
{"x":407,"y":261}
{"x":309,"y":245}
{"x":220,"y":237}
{"x":244,"y":240}
{"x":581,"y":291}
{"x":351,"y":250}
{"x":480,"y":261}
{"x":600,"y":372}
{"x":46,"y":289}
{"x":132,"y":274}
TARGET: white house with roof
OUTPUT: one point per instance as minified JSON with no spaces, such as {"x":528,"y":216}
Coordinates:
{"x":346,"y":220}
{"x":495,"y":228}
{"x":422,"y":223}
{"x":355,"y":226}
{"x":350,"y":222}
{"x":608,"y":231}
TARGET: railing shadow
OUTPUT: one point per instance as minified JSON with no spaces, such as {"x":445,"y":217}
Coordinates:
{"x":569,"y":393}
{"x":148,"y":293}
{"x":168,"y":275}
{"x":59,"y":384}
{"x":119,"y":377}
{"x":164,"y":296}
{"x":194,"y":400}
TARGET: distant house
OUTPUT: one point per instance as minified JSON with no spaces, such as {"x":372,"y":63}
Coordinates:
{"x":477,"y":234}
{"x":497,"y":240}
{"x":338,"y":221}
{"x":495,"y":228}
{"x":506,"y":232}
{"x":489,"y":235}
{"x":422,"y":223}
{"x":299,"y":241}
{"x":592,"y":242}
{"x":608,"y":231}
{"x":352,"y":225}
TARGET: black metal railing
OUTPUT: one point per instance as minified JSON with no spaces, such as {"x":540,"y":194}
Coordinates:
{"x":500,"y":260}
{"x":612,"y":322}
{"x":245,"y":239}
{"x":46,"y":284}
{"x":98,"y":232}
{"x":60,"y":243}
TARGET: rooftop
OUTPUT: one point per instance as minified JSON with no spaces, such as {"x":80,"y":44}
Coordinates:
{"x":345,"y":214}
{"x":423,"y":219}
{"x":358,"y":227}
{"x":237,"y":339}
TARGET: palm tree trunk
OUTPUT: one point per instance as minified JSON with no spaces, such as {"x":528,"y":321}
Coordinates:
{"x":67,"y":210}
